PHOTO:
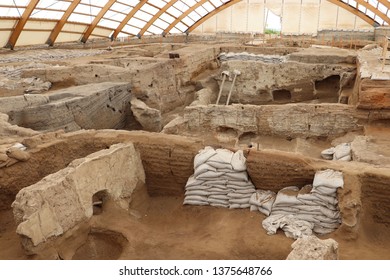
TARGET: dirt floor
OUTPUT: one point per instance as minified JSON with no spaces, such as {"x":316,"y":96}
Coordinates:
{"x":162,"y":228}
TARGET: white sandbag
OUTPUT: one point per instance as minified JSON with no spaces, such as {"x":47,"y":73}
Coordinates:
{"x":246,"y":191}
{"x":326,"y":191}
{"x":219,"y":205}
{"x":292,"y":227}
{"x":195,"y":203}
{"x":324,"y":219}
{"x":19,"y":146}
{"x":203,"y":155}
{"x":222,"y":156}
{"x":328,"y":178}
{"x":219,"y":196}
{"x":297,"y":229}
{"x":216,"y":182}
{"x":328,"y":153}
{"x":326,"y":201}
{"x":197,"y":188}
{"x":220,"y":165}
{"x":346,"y":158}
{"x":219,"y":190}
{"x":262,"y":210}
{"x":317,"y":210}
{"x":240,"y":188}
{"x":342,"y":151}
{"x":196,"y":198}
{"x":263,"y":199}
{"x":287,"y":196}
{"x":239,"y":161}
{"x":237,"y":176}
{"x":234,"y":206}
{"x":239,"y":206}
{"x":243,"y":184}
{"x":218,"y":201}
{"x":239,"y":195}
{"x":245,"y":205}
{"x":202,"y":169}
{"x":322,"y":230}
{"x":209,"y":175}
{"x":253,"y":208}
{"x":192,"y":181}
{"x":239,"y":201}
{"x":272,"y":223}
{"x":196,"y":192}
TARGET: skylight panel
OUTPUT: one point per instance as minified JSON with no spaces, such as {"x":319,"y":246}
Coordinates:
{"x":167,"y":18}
{"x":208,"y":7}
{"x":149,"y":9}
{"x":201,"y":11}
{"x":195,"y":16}
{"x":162,"y":24}
{"x":121,"y":8}
{"x":175,"y":12}
{"x":158,"y":3}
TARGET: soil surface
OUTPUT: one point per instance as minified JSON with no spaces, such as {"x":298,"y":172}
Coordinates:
{"x":162,"y":228}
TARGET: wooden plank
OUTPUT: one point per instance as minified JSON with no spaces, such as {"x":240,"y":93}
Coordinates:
{"x":127,"y":18}
{"x":60,"y":24}
{"x":99,"y":16}
{"x":211,"y":14}
{"x":155,"y":17}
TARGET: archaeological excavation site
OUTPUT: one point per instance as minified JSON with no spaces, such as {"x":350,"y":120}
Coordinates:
{"x":194,"y":130}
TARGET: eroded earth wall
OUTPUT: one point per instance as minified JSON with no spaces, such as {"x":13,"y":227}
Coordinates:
{"x":94,"y":106}
{"x":62,"y":200}
{"x":289,"y":120}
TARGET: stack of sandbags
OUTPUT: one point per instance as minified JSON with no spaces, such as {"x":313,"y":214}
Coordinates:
{"x":316,"y":206}
{"x":340,"y":152}
{"x":220,"y":179}
{"x":262,"y":200}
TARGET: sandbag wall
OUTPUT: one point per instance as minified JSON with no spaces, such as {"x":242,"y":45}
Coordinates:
{"x":220,"y":179}
{"x":313,"y":208}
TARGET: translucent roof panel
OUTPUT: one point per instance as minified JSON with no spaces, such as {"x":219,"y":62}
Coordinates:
{"x":140,"y":17}
{"x":373,"y":11}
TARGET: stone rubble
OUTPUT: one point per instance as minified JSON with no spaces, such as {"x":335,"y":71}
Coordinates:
{"x":313,"y":248}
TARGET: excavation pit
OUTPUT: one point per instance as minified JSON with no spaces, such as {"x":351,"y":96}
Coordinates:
{"x":283,"y":113}
{"x":101,"y":245}
{"x":205,"y":232}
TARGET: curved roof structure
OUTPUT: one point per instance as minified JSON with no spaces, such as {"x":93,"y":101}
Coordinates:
{"x":374,"y":12}
{"x":127,"y":17}
{"x":113,"y":18}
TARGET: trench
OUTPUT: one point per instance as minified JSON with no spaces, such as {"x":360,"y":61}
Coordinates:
{"x":158,"y":225}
